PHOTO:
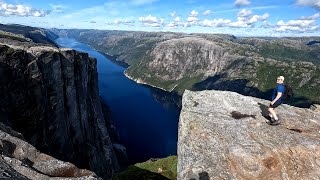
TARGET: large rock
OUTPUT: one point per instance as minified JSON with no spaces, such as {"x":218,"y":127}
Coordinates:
{"x":51,"y":96}
{"x":224,"y":135}
{"x":20,"y":160}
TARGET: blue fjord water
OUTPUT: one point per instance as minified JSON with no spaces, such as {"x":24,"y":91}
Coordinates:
{"x":147,"y":127}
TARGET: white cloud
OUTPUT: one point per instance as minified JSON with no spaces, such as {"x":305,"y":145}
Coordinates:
{"x":20,"y":10}
{"x":193,"y":13}
{"x":177,"y":19}
{"x":216,"y":22}
{"x":312,"y":3}
{"x":296,"y":25}
{"x":239,"y":24}
{"x":148,"y":19}
{"x":242,"y":3}
{"x":175,"y":24}
{"x":192,"y":19}
{"x":247,"y":19}
{"x":151,"y":21}
{"x":256,"y":18}
{"x":206,"y":13}
{"x":244,"y":13}
{"x":121,"y":21}
{"x":313,"y":17}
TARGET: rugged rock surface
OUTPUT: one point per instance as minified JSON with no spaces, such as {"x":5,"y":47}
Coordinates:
{"x":224,"y":135}
{"x":20,"y":160}
{"x":177,"y":61}
{"x":51,"y":96}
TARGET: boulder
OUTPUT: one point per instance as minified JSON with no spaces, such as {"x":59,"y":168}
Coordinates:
{"x":225,"y":135}
{"x":20,"y":160}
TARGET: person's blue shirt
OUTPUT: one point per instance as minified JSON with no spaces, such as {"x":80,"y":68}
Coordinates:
{"x":279,"y":88}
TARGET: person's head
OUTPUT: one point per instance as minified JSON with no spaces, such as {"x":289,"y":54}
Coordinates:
{"x":280,"y":80}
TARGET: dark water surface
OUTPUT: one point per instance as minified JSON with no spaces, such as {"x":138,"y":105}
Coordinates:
{"x":148,"y":127}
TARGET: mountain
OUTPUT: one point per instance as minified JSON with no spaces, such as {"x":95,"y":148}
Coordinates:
{"x":51,"y":96}
{"x":26,"y":34}
{"x":224,"y":135}
{"x":177,"y":61}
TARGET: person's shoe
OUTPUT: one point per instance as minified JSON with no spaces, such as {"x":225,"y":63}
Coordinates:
{"x":274,"y":122}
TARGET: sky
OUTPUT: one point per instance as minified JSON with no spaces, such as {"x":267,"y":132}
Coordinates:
{"x":237,"y":17}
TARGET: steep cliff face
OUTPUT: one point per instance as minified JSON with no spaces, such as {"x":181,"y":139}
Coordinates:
{"x":51,"y":96}
{"x":224,"y":135}
{"x":177,"y":61}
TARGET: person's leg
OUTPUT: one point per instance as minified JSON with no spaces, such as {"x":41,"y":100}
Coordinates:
{"x":273,"y":113}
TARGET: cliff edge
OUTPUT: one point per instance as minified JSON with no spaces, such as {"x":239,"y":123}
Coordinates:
{"x":224,"y":135}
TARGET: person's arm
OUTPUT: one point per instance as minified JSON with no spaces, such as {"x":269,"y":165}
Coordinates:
{"x":279,"y":94}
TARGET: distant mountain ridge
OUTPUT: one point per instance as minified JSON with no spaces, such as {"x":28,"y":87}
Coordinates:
{"x":27,"y":33}
{"x":178,"y":61}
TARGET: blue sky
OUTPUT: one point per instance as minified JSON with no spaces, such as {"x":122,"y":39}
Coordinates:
{"x":237,"y":17}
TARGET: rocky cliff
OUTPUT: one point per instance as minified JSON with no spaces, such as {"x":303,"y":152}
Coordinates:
{"x":224,"y":135}
{"x":51,"y":96}
{"x":177,"y":61}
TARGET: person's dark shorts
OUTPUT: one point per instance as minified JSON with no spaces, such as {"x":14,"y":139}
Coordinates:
{"x":276,"y":104}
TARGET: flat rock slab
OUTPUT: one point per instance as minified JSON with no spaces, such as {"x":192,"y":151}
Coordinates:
{"x":224,"y":135}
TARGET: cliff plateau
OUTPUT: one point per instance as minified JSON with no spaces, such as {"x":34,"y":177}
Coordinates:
{"x":224,"y":135}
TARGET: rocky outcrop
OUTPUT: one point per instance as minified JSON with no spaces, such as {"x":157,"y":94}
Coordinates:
{"x":20,"y":160}
{"x":224,"y":135}
{"x":51,"y":96}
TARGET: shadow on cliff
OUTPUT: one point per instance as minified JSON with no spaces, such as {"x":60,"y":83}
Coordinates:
{"x":136,"y":173}
{"x":241,"y":86}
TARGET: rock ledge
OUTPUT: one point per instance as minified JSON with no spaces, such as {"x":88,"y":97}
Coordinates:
{"x":224,"y":135}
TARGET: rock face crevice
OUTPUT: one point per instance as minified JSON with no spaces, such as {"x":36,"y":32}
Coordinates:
{"x":51,"y":96}
{"x":225,"y":136}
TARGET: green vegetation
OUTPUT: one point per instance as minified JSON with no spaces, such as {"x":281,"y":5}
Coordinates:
{"x":284,"y":53}
{"x":165,"y":168}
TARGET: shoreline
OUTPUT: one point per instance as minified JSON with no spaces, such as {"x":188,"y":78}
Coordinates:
{"x":144,"y":83}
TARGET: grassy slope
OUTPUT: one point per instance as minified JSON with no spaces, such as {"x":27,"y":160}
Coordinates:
{"x":150,"y":170}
